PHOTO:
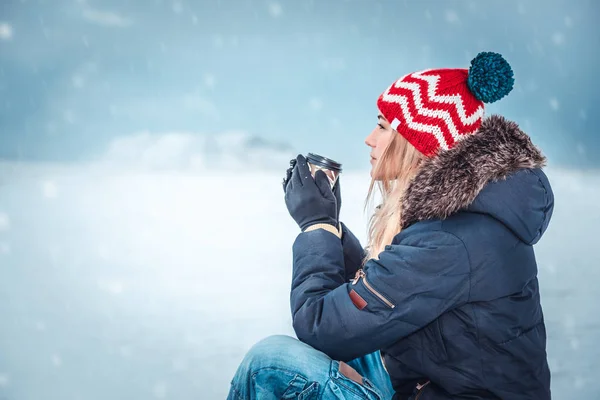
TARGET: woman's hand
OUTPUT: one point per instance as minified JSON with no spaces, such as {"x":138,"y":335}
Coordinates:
{"x":310,"y":201}
{"x":288,"y":174}
{"x":337,"y":192}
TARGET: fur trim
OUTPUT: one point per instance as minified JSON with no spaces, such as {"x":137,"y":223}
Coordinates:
{"x":451,"y":180}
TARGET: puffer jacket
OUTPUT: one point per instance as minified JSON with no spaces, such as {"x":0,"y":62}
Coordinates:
{"x":453,"y":303}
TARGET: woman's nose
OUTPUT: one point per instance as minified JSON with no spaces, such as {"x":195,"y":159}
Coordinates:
{"x":369,"y":140}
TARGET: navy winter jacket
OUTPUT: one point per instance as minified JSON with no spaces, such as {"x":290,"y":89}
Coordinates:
{"x":454,"y":300}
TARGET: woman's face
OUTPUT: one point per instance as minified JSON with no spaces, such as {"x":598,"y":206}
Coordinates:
{"x":378,"y":141}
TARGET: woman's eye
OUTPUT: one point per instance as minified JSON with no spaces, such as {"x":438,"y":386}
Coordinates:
{"x":380,"y":126}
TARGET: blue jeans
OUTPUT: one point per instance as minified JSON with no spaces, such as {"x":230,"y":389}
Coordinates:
{"x":282,"y":367}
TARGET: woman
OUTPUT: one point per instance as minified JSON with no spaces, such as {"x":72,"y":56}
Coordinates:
{"x":445,"y":302}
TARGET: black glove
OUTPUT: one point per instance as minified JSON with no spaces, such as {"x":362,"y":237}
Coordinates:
{"x":288,"y":174}
{"x":310,"y":201}
{"x":337,"y":192}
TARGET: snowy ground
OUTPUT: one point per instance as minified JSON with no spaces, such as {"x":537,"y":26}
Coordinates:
{"x":138,"y":286}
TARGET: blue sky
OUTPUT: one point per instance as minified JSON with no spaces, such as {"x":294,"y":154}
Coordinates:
{"x":76,"y":75}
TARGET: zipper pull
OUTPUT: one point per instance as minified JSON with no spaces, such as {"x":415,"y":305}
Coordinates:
{"x":359,"y":274}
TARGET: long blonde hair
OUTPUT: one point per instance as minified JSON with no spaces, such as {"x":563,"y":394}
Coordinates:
{"x":397,"y":166}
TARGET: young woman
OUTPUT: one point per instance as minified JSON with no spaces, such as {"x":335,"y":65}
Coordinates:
{"x":444,"y":301}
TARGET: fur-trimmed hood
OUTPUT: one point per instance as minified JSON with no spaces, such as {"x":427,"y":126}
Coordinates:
{"x":496,"y":171}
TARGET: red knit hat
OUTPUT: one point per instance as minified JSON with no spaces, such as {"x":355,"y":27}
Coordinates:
{"x":436,"y":108}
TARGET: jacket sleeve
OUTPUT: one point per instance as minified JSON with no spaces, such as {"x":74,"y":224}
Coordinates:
{"x":354,"y":253}
{"x":414,"y":281}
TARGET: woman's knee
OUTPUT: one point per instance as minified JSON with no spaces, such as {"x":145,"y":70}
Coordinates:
{"x":283,"y":352}
{"x":276,"y":351}
{"x":280,"y":364}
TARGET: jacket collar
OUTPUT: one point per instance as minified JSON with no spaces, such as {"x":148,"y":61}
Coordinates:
{"x":451,"y":180}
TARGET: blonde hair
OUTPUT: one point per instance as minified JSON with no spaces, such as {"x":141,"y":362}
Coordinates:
{"x":397,"y":166}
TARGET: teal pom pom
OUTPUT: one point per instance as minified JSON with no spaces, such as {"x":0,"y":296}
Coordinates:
{"x":490,"y":77}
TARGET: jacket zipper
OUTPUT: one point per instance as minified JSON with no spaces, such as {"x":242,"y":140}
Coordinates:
{"x":420,"y":388}
{"x":361,"y":274}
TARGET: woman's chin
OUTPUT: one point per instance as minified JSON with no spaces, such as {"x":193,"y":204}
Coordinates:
{"x":374,"y":176}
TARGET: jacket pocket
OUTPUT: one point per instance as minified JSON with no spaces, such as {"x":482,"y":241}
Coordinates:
{"x":362,"y":276}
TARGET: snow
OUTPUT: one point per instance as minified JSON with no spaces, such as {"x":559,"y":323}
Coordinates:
{"x":169,"y":278}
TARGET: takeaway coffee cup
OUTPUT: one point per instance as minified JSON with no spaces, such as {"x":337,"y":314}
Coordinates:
{"x":331,"y":168}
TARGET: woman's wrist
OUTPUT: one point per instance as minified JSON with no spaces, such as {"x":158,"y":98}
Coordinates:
{"x":328,"y":227}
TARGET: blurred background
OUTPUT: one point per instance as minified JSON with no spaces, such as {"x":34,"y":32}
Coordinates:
{"x":144,"y":242}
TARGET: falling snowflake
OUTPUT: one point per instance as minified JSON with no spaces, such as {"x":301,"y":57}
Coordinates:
{"x":210,"y":81}
{"x":569,"y":323}
{"x":179,"y":365}
{"x":6,"y":31}
{"x":218,"y":41}
{"x":49,"y":189}
{"x":580,"y":149}
{"x":160,"y":390}
{"x":574,"y":344}
{"x":78,"y":81}
{"x":4,"y":222}
{"x":69,"y":116}
{"x":275,"y":10}
{"x":333,"y":64}
{"x":452,"y":17}
{"x":113,"y":287}
{"x":4,"y":248}
{"x":4,"y":380}
{"x":125,"y":351}
{"x":558,"y":38}
{"x":554,"y":104}
{"x":316,"y":104}
{"x":550,"y":268}
{"x":177,"y":7}
{"x":56,"y":360}
{"x":335,"y":123}
{"x":568,"y":22}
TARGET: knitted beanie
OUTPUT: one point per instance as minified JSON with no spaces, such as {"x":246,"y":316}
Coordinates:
{"x":434,"y":109}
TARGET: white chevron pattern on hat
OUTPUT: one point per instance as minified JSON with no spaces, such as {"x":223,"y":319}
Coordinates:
{"x":403,"y":102}
{"x":433,"y":80}
{"x":432,"y":96}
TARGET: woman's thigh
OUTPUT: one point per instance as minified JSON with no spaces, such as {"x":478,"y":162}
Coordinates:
{"x":281,"y":367}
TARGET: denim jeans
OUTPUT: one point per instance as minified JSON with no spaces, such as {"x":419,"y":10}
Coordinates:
{"x":282,"y":367}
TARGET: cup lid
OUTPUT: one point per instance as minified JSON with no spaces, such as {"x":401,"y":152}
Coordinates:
{"x":324,"y":162}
